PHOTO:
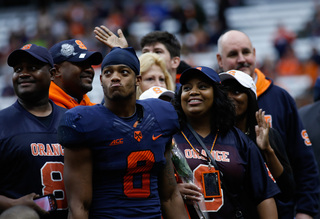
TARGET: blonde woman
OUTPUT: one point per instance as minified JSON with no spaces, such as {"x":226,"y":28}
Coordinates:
{"x":153,"y":72}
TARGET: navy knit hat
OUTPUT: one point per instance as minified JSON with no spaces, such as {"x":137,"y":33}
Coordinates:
{"x":126,"y":56}
{"x":37,"y":52}
{"x":73,"y":51}
{"x":211,"y":74}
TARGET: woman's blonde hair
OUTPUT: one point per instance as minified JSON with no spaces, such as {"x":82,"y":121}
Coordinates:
{"x":149,"y":59}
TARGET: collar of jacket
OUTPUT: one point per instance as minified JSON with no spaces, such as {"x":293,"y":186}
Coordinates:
{"x":263,"y":83}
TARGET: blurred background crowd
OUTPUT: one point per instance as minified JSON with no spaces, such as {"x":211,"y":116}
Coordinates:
{"x":285,"y":33}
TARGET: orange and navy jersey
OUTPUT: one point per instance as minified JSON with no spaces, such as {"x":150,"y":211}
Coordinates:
{"x":243,"y":168}
{"x":281,"y":114}
{"x":31,"y":159}
{"x":127,"y":155}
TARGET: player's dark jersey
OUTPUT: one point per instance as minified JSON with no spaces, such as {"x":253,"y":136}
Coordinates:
{"x":31,"y":159}
{"x":126,"y":157}
{"x":244,"y":172}
{"x":282,"y":115}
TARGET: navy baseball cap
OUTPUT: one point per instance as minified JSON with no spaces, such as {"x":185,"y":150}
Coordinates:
{"x":38,"y":52}
{"x":73,"y":51}
{"x":126,"y":56}
{"x":211,"y":74}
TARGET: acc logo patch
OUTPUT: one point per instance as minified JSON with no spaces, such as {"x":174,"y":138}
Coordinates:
{"x":116,"y":142}
{"x":138,"y":135}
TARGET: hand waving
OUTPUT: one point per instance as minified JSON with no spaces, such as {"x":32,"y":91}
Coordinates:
{"x":107,"y":37}
{"x":262,"y":131}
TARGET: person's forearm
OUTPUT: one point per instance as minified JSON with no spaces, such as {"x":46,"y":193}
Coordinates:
{"x":79,"y":205}
{"x":78,"y":181}
{"x":171,"y":201}
{"x":267,"y":209}
{"x":5,"y":202}
{"x":273,"y":162}
{"x":27,"y":200}
{"x":78,"y":212}
{"x":174,"y":208}
{"x":303,"y":216}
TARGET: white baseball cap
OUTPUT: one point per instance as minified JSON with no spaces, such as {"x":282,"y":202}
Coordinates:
{"x":156,"y":92}
{"x":244,"y":79}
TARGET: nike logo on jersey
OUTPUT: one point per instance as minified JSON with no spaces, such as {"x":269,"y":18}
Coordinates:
{"x":156,"y":137}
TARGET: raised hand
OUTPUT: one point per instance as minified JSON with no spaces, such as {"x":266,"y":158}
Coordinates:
{"x":262,"y":131}
{"x":107,"y":37}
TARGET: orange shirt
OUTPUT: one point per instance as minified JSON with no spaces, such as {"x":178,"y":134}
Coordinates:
{"x":61,"y":98}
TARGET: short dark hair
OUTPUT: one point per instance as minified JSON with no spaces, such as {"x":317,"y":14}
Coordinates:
{"x":223,"y":111}
{"x":167,"y":39}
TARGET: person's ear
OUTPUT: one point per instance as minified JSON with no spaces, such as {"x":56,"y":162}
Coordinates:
{"x":219,"y":59}
{"x":57,"y":72}
{"x":52,"y":73}
{"x":101,"y":79}
{"x":175,"y":62}
{"x":138,"y":80}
